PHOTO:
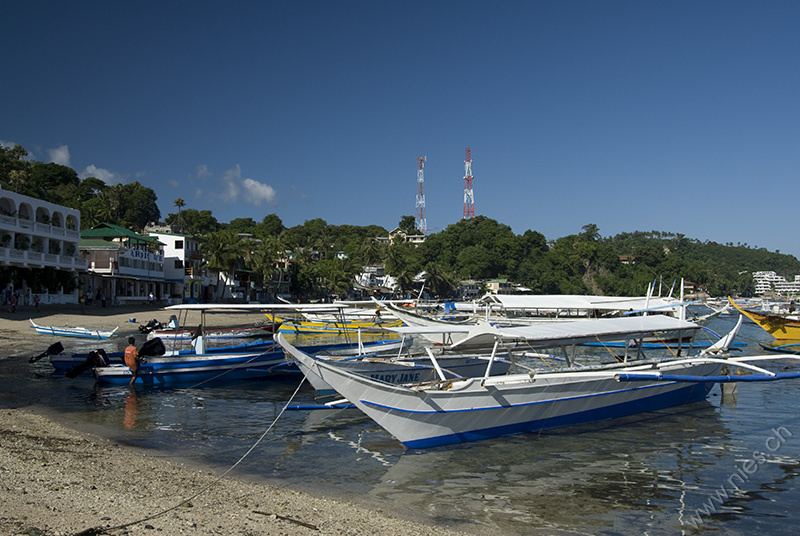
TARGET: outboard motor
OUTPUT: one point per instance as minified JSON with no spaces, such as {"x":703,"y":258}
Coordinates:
{"x":153,"y":347}
{"x":101,"y":358}
{"x":96,"y":358}
{"x":53,"y":349}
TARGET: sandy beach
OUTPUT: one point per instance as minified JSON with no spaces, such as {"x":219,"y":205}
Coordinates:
{"x":59,"y":480}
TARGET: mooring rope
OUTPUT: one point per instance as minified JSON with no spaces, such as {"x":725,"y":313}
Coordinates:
{"x":99,"y":530}
{"x":223,"y":373}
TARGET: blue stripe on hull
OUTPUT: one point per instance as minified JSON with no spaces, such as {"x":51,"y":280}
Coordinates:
{"x":189,"y":378}
{"x":677,"y":397}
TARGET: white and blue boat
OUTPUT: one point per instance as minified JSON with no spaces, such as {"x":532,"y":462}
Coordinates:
{"x":240,"y":364}
{"x":468,"y":409}
{"x":62,"y":363}
{"x":66,"y":331}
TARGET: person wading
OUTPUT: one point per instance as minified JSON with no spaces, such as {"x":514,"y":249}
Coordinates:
{"x":132,"y":359}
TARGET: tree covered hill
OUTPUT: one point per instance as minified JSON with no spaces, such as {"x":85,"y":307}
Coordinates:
{"x":479,"y":248}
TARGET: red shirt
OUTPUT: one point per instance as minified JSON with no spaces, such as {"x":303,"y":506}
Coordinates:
{"x":132,"y":358}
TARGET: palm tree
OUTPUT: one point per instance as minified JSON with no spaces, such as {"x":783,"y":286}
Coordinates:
{"x":372,"y":251}
{"x":180,"y":203}
{"x":108,"y":207}
{"x":437,"y":281}
{"x":217,"y":249}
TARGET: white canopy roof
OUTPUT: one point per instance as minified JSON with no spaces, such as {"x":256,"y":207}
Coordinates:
{"x":233,"y":307}
{"x":558,"y":333}
{"x":577,"y":301}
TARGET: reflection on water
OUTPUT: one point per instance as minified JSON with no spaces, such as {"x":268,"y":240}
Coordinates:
{"x":131,"y":411}
{"x":663,"y":473}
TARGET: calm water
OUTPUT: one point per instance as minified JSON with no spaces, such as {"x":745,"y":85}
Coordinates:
{"x":727,"y":464}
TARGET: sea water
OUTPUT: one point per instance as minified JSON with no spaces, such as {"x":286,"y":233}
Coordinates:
{"x":729,"y":463}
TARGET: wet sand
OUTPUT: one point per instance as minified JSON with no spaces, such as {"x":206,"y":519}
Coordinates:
{"x":57,"y":480}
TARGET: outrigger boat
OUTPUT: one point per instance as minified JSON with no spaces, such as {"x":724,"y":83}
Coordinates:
{"x":780,"y":327}
{"x":63,"y":362}
{"x":454,"y":411}
{"x":205,"y":365}
{"x":332,"y":326}
{"x":83,"y":333}
{"x":236,"y":364}
{"x":244,"y":332}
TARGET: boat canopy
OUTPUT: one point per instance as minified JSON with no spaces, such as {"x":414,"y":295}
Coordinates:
{"x":220,"y":307}
{"x":551,"y":334}
{"x":560,"y":302}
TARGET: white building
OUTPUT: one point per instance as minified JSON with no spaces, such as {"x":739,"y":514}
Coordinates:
{"x":769,"y":281}
{"x":37,"y":234}
{"x":124,"y":267}
{"x":182,"y":266}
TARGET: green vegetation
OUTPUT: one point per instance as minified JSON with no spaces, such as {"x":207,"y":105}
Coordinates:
{"x":327,"y":257}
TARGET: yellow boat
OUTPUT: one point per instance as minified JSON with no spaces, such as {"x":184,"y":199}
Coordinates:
{"x":778,"y":326}
{"x":332,"y":327}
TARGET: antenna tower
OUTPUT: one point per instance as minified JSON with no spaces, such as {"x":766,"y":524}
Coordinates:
{"x":421,"y":222}
{"x":469,"y":198}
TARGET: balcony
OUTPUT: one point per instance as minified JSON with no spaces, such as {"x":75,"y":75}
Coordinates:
{"x":44,"y":230}
{"x":36,"y":259}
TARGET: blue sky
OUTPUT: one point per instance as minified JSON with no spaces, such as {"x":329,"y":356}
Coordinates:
{"x":679,"y":116}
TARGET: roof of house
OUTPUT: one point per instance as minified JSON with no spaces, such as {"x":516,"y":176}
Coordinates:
{"x":110,"y":230}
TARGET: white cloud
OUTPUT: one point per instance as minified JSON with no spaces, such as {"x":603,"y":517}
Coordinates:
{"x":259,"y":192}
{"x":108,"y":177}
{"x":59,"y":155}
{"x":236,"y":189}
{"x":230,"y":181}
{"x":173,"y":183}
{"x":202,"y":172}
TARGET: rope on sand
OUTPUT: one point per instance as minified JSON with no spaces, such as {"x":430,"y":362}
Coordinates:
{"x":93,"y":531}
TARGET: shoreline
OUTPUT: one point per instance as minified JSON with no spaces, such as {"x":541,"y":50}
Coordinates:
{"x":61,"y":479}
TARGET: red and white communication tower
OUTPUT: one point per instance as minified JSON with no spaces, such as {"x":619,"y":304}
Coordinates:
{"x":469,"y":198}
{"x":421,"y":222}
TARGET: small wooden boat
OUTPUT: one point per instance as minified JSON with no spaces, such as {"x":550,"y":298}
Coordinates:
{"x":778,"y":326}
{"x":83,"y":333}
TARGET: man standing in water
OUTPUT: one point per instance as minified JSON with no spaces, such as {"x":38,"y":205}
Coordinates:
{"x":132,"y":358}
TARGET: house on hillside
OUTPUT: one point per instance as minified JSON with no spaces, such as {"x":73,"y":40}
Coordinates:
{"x":398,"y":235}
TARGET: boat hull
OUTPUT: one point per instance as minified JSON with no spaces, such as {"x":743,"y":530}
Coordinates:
{"x":81,"y":333}
{"x":332,"y":328}
{"x":167,"y":371}
{"x":405,"y":371}
{"x":779,"y":327}
{"x":189,"y":369}
{"x":63,"y":362}
{"x":478,"y":408}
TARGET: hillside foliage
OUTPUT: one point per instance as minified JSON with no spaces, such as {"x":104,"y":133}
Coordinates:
{"x":327,"y":257}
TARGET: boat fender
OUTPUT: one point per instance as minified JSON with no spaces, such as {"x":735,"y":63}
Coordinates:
{"x":53,"y":349}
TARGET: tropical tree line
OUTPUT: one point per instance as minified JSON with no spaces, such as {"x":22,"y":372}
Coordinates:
{"x":326,"y":258}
